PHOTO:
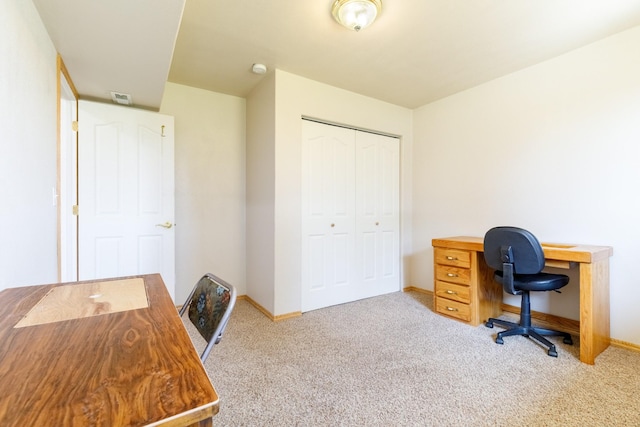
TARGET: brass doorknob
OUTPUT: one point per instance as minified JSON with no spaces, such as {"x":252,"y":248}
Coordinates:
{"x":167,"y":224}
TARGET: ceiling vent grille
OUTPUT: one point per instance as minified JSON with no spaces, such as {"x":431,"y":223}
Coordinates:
{"x":121,"y":98}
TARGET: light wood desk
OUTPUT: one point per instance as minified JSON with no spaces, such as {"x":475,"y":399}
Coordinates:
{"x":464,"y":287}
{"x":100,"y":353}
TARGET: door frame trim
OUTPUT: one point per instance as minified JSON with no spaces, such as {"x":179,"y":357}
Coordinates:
{"x":64,"y":78}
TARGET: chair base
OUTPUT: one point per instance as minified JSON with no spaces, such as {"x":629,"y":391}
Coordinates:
{"x":529,"y":331}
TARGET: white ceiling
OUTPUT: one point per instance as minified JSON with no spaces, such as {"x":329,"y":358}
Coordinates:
{"x":115,"y":45}
{"x":416,"y":52}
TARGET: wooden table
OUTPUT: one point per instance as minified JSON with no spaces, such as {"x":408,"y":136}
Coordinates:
{"x":100,"y":353}
{"x":593,"y":264}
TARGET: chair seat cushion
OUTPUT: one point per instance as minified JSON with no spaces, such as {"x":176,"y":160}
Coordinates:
{"x":536,"y":282}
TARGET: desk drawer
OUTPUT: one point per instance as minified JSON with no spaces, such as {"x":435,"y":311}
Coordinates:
{"x":448,"y":290}
{"x":453,"y":274}
{"x":453,"y":308}
{"x":453,"y":257}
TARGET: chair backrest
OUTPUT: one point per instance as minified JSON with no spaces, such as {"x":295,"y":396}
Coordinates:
{"x":515,"y":246}
{"x":209,"y":306}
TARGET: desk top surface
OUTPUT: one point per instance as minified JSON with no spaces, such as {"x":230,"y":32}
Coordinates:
{"x":554,"y":251}
{"x":135,"y":366}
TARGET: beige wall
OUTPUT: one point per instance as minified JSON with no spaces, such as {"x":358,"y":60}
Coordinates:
{"x":260,"y":201}
{"x":28,"y":217}
{"x":210,"y":185}
{"x":553,"y":148}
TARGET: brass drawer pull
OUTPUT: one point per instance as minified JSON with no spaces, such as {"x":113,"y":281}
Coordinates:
{"x":452,"y":275}
{"x":451,"y":258}
{"x":451,"y":308}
{"x":450,"y":292}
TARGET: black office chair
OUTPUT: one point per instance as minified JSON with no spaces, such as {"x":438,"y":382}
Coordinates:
{"x":210,"y":304}
{"x":518,"y":259}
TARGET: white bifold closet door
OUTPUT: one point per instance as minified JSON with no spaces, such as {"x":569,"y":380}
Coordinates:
{"x":350,"y":215}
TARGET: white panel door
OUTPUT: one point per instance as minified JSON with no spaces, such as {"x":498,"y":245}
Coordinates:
{"x":377,"y":259}
{"x":125,"y":193}
{"x":328,"y":209}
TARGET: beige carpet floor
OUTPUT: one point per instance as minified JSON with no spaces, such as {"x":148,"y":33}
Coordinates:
{"x":391,"y":361}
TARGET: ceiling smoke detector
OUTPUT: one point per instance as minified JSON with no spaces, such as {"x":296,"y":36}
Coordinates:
{"x":121,"y":98}
{"x":259,"y":68}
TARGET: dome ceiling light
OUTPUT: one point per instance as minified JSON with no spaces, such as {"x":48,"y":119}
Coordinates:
{"x":356,"y":14}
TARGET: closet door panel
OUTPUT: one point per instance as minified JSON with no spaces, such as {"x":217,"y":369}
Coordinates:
{"x":366,"y":185}
{"x":314,"y":260}
{"x":328,"y":211}
{"x":377,"y":213}
{"x":389,"y":177}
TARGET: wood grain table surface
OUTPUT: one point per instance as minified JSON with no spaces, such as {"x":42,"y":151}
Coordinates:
{"x":102,"y":367}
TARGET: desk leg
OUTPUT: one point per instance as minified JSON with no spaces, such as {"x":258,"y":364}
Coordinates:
{"x":594,"y":310}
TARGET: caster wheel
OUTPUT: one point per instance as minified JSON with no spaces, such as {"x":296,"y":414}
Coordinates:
{"x":567,"y":340}
{"x":552,"y":352}
{"x":489,"y":325}
{"x":499,"y":340}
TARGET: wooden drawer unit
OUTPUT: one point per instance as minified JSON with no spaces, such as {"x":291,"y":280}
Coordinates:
{"x":453,"y":257}
{"x":455,"y":292}
{"x":454,"y":309}
{"x":452,"y":270}
{"x":458,"y":275}
{"x":463,"y":285}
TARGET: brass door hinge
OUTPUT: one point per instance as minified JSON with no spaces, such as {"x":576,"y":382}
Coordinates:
{"x":74,"y":126}
{"x":74,"y":210}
